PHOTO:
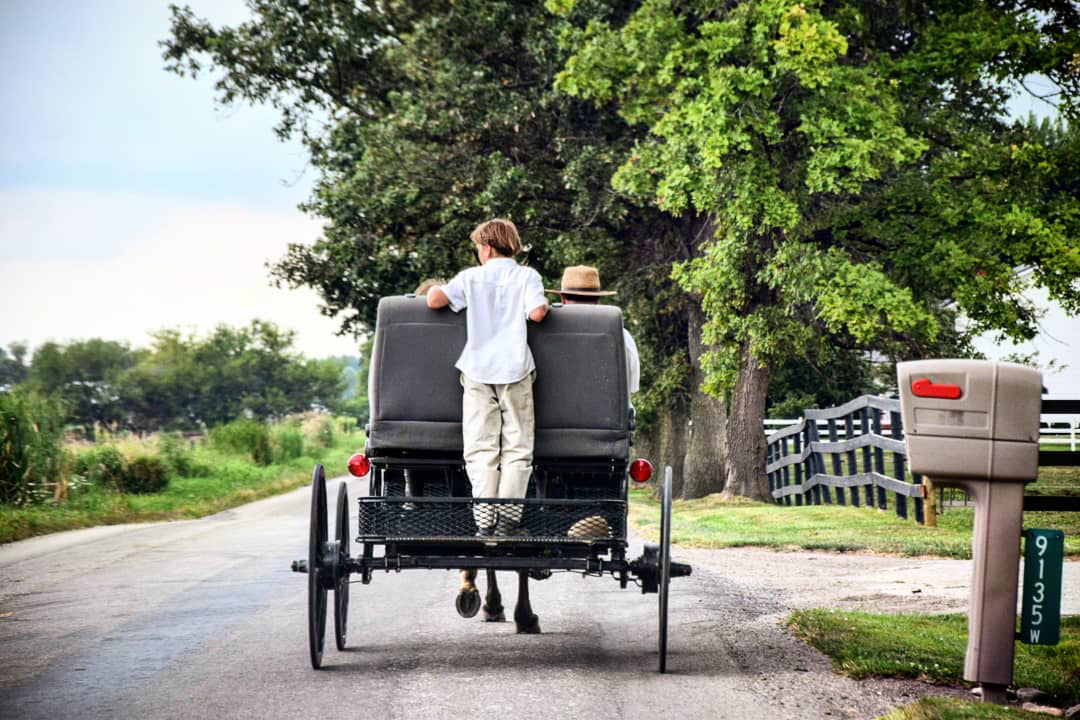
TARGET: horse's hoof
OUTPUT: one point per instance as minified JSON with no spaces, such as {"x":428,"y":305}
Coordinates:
{"x":539,"y":573}
{"x":532,"y":627}
{"x":468,"y":603}
{"x":498,"y":616}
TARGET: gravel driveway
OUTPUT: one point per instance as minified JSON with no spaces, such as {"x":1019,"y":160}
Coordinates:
{"x":761,"y":587}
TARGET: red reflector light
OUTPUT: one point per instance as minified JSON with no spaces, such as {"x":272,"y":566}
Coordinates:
{"x":359,"y":465}
{"x":925,"y":387}
{"x":641,"y":470}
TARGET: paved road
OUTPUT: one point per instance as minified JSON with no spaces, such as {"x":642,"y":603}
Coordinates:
{"x":203,"y":619}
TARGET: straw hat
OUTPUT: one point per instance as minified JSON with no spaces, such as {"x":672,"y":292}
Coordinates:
{"x":592,"y":526}
{"x":582,"y":280}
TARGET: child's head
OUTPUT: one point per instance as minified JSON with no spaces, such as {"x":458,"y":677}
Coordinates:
{"x":500,"y":235}
{"x":424,"y":286}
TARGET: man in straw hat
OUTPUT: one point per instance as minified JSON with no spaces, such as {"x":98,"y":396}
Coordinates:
{"x":581,"y":285}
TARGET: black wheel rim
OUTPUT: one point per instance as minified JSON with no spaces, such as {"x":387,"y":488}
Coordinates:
{"x":665,"y":568}
{"x":316,"y":583}
{"x":341,"y":589}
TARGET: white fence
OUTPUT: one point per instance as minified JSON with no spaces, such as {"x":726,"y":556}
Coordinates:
{"x":1057,"y":430}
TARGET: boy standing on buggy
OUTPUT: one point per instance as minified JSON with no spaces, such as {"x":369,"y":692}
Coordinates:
{"x":497,"y":369}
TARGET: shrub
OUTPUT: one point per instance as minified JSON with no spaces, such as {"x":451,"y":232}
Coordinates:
{"x":179,"y":457}
{"x":144,"y":474}
{"x":325,"y":433}
{"x":245,"y":436}
{"x":31,"y":456}
{"x":288,"y":442}
{"x":102,"y":466}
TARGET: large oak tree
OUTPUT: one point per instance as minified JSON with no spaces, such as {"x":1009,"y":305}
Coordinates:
{"x":424,"y":118}
{"x":855,"y":168}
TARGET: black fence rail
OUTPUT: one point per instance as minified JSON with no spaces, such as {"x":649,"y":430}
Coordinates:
{"x":860,"y":434}
{"x":850,"y":465}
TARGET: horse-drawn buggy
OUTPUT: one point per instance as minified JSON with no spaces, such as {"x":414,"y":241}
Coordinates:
{"x":419,"y":511}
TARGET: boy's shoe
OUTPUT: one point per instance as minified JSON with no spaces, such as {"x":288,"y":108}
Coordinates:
{"x":505,"y":529}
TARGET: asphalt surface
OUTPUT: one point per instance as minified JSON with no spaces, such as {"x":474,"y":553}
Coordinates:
{"x":204,"y":618}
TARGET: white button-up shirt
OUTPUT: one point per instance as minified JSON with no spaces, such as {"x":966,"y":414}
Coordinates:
{"x":633,"y":363}
{"x":499,"y":294}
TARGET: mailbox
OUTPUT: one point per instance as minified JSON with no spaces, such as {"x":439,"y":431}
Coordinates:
{"x":971,"y":419}
{"x":974,"y":425}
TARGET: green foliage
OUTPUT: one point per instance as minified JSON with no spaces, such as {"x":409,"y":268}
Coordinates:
{"x":188,"y":382}
{"x":287,"y":442}
{"x":84,"y":375}
{"x":244,"y":436}
{"x":324,"y":434}
{"x":830,"y":375}
{"x":31,"y":431}
{"x":228,"y":481}
{"x":441,"y":115}
{"x":13,"y":368}
{"x":183,"y":381}
{"x":854,"y":164}
{"x":101,"y":465}
{"x":179,"y":457}
{"x":144,"y":474}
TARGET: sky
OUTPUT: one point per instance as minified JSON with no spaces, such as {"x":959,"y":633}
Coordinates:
{"x":130,"y":202}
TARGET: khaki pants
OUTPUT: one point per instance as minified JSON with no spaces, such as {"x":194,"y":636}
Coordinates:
{"x":498,"y":426}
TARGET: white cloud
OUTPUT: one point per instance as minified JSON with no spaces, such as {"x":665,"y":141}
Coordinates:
{"x":79,"y":264}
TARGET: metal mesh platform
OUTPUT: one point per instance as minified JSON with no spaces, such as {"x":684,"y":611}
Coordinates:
{"x":527,"y":520}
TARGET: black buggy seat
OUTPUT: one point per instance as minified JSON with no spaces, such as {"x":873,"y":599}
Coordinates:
{"x":581,"y":394}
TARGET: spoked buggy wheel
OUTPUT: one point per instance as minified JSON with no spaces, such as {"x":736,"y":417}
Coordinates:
{"x":317,"y":581}
{"x":664,"y":580}
{"x":341,"y":587}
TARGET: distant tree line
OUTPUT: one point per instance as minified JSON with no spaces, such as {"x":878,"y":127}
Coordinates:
{"x":183,"y":381}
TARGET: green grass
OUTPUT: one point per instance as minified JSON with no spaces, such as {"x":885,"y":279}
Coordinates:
{"x":939,"y":708}
{"x":1056,"y":481}
{"x":233,"y":481}
{"x":931,"y":648}
{"x":709,"y":522}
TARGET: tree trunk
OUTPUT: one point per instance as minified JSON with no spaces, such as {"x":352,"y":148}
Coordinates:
{"x":671,"y":442}
{"x":704,"y":468}
{"x":746,"y":437}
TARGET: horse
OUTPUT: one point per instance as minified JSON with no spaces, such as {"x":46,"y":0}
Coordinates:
{"x":526,"y":621}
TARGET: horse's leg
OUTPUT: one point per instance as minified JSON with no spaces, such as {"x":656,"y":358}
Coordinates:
{"x":524,"y":618}
{"x":493,"y":607}
{"x":468,"y":598}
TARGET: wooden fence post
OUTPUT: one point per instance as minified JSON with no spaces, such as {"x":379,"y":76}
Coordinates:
{"x":930,"y":506}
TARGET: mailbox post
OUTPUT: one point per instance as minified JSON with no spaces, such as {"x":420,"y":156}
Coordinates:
{"x":974,"y":425}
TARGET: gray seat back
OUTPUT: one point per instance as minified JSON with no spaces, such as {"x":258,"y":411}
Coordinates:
{"x":580,"y":394}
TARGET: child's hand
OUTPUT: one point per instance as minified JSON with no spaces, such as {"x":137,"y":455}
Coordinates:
{"x":436,"y":298}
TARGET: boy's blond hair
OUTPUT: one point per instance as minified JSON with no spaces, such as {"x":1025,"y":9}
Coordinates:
{"x":500,"y":234}
{"x":423,"y":287}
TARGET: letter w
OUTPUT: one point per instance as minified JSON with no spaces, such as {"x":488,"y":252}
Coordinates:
{"x":1034,"y":635}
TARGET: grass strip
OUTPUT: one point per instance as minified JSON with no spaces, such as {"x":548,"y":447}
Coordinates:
{"x":713,"y":523}
{"x":931,"y":648}
{"x":232,"y":481}
{"x":938,"y":708}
